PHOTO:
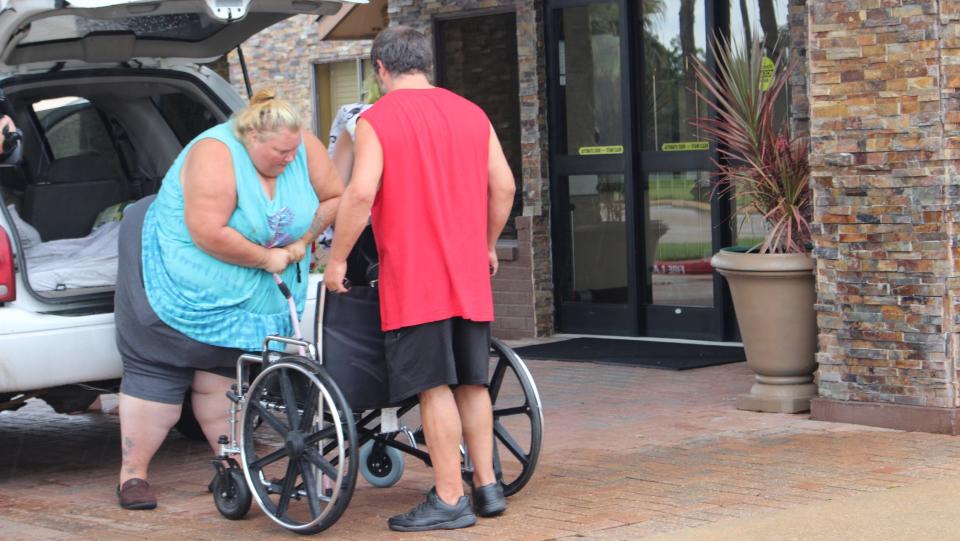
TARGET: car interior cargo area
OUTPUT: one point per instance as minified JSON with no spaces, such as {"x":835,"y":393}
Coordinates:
{"x":91,"y":146}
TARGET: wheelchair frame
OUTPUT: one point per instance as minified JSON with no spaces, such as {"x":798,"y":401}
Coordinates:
{"x":326,"y":443}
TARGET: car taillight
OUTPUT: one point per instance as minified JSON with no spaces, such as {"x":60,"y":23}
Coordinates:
{"x":8,"y":281}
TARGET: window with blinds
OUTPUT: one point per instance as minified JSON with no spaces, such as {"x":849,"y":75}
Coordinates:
{"x":338,"y":83}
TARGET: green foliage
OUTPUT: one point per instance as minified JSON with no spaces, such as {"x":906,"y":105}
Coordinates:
{"x":684,"y":251}
{"x":668,"y":189}
{"x":605,"y":20}
{"x":681,"y":251}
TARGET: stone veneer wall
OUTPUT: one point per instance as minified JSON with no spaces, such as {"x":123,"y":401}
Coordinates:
{"x":885,"y":128}
{"x":282,"y":57}
{"x":523,"y":291}
{"x":479,"y":62}
{"x":799,"y":100}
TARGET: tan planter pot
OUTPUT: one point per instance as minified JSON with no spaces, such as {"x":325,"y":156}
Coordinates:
{"x":774,"y":296}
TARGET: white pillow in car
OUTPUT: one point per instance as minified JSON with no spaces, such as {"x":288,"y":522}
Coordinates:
{"x":29,"y":236}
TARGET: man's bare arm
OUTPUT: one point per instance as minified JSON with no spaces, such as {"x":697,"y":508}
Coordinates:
{"x":356,"y":203}
{"x":343,"y":156}
{"x":327,"y":184}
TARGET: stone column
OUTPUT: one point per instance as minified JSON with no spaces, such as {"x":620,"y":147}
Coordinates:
{"x":799,"y":104}
{"x":885,"y":130}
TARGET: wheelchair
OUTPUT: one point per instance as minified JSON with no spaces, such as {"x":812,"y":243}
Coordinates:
{"x":310,"y":421}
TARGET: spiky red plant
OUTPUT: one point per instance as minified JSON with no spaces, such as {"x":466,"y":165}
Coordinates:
{"x":759,"y":163}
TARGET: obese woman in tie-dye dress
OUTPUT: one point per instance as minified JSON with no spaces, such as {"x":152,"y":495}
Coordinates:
{"x":243,"y":200}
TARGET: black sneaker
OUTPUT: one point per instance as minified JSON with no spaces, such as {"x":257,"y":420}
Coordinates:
{"x":435,"y":514}
{"x":488,"y":500}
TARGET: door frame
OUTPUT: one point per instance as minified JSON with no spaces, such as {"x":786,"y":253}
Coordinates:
{"x":670,"y":321}
{"x":590,"y":318}
{"x":638,"y":317}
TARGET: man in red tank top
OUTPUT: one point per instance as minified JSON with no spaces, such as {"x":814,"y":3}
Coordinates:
{"x":431,"y":169}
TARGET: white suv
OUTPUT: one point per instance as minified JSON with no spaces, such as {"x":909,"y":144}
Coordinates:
{"x":106,"y":95}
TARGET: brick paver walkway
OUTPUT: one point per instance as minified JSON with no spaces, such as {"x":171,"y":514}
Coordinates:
{"x":628,"y":452}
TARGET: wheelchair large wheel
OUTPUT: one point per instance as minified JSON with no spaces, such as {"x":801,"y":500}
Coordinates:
{"x":517,"y":419}
{"x":298,"y":445}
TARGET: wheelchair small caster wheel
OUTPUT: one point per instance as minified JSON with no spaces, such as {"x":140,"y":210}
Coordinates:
{"x":381,"y":465}
{"x":231,"y":494}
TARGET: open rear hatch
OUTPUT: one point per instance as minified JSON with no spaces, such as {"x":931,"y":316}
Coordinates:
{"x":50,"y":35}
{"x":42,"y":34}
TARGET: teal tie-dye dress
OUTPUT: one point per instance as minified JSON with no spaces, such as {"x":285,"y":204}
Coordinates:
{"x":212,"y":301}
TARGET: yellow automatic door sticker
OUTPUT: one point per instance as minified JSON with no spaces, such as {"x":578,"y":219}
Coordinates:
{"x":689,"y":145}
{"x":593,"y":151}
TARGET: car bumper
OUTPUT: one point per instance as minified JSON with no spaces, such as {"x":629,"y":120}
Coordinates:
{"x":38,"y":350}
{"x":43,"y":350}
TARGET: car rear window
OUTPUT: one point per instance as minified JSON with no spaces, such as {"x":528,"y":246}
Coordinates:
{"x":183,"y":27}
{"x":186,"y":116}
{"x":73,"y":126}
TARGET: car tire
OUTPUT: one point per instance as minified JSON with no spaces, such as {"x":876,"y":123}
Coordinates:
{"x":69,"y":399}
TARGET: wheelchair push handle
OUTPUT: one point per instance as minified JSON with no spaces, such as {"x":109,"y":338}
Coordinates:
{"x":285,"y":290}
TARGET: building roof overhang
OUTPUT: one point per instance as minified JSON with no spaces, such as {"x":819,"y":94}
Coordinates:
{"x":355,"y":21}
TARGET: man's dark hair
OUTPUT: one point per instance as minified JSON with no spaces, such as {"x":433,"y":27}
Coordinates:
{"x":402,"y":50}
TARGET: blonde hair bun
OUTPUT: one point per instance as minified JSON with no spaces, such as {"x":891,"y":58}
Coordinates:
{"x":262,"y":95}
{"x":266,"y":114}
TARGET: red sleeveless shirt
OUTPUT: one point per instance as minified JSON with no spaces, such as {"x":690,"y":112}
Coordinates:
{"x":430,"y":214}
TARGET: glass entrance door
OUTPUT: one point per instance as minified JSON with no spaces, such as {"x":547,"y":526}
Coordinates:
{"x":680,"y":290}
{"x":635,"y":219}
{"x":591,"y":167}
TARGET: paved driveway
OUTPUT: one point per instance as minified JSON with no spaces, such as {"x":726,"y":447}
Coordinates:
{"x":628,"y":452}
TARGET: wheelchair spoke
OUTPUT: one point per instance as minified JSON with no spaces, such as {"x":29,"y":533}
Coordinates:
{"x":289,"y":399}
{"x":311,"y":486}
{"x":326,"y":467}
{"x":287,"y":491}
{"x":497,"y":380}
{"x":497,"y":465}
{"x":508,"y":412}
{"x":308,"y":408}
{"x":268,"y":459}
{"x":327,"y":433}
{"x":268,"y":418}
{"x":511,"y":443}
{"x":332,"y":444}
